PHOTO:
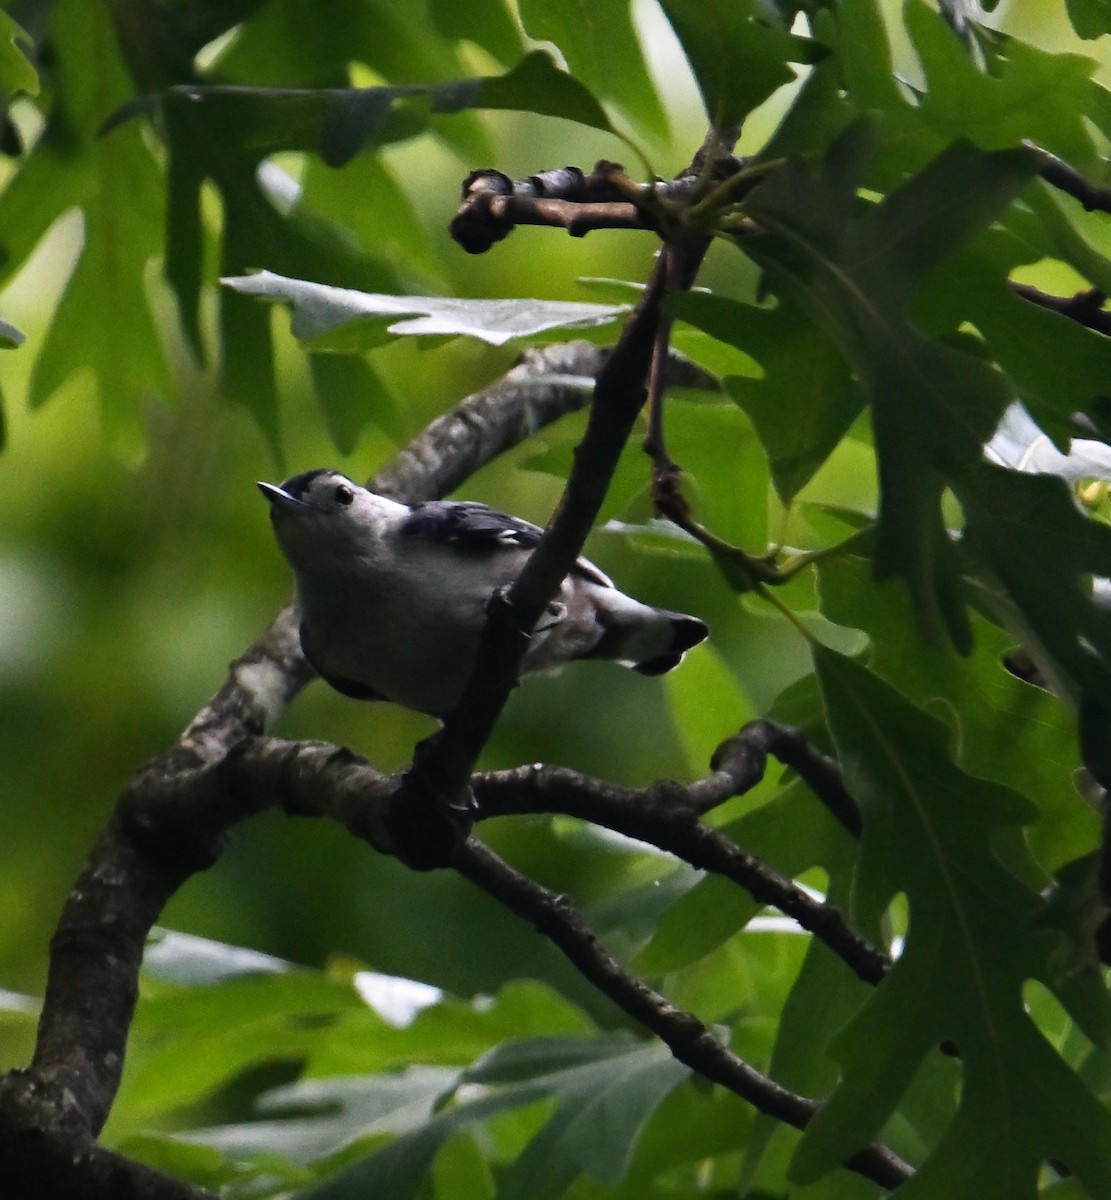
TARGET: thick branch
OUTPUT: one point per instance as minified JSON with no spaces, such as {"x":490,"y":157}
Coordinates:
{"x":688,"y":1039}
{"x":170,"y":821}
{"x":39,"y":1161}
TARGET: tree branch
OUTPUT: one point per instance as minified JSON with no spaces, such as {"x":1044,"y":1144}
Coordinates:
{"x":665,"y":815}
{"x":1086,"y":308}
{"x":170,"y":821}
{"x":1066,"y":178}
{"x":568,"y":198}
{"x":431,"y":806}
{"x":41,"y":1161}
{"x":688,"y":1039}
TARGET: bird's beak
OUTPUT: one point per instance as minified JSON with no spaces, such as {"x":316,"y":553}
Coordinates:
{"x":278,"y":497}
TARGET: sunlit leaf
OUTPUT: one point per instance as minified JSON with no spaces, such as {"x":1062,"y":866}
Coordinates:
{"x":599,"y":43}
{"x":339,"y":318}
{"x":805,"y":401}
{"x":739,"y":54}
{"x":17,"y":74}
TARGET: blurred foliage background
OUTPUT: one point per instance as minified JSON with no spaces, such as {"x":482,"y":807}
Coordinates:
{"x":135,"y":554}
{"x":136,"y":560}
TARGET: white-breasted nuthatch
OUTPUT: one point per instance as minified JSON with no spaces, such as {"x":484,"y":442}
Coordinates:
{"x":393,"y":597}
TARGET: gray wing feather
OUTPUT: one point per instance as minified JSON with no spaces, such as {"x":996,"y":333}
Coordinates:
{"x":477,"y":527}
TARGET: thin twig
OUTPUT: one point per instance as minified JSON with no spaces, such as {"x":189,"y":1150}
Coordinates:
{"x":1066,"y":178}
{"x":665,"y":472}
{"x":444,"y":763}
{"x":665,"y":815}
{"x":687,"y":1038}
{"x":820,"y":772}
{"x":1086,"y":308}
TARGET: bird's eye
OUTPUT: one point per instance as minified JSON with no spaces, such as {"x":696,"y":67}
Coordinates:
{"x":344,"y":495}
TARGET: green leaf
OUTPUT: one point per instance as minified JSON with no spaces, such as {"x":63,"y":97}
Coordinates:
{"x":453,"y":1032}
{"x":928,"y":832}
{"x":223,"y":133}
{"x":823,"y":997}
{"x":339,"y":318}
{"x":806,"y":400}
{"x":605,"y":1087}
{"x":599,"y":43}
{"x":127,"y":362}
{"x":1028,"y":93}
{"x":338,"y":123}
{"x":402,"y":1167}
{"x":1067,"y":242}
{"x":116,"y":183}
{"x":864,"y":56}
{"x":486,"y":23}
{"x":17,"y":73}
{"x":204,"y":1166}
{"x":255,"y":231}
{"x":1002,"y":729}
{"x":222,"y":1029}
{"x":738,"y":54}
{"x":1036,"y":553}
{"x":853,"y":269}
{"x":534,"y":85}
{"x":792,"y":832}
{"x":353,"y":396}
{"x":1090,"y":18}
{"x":1026,"y":340}
{"x":367,"y":201}
{"x":603,"y":1108}
{"x":314,"y":1118}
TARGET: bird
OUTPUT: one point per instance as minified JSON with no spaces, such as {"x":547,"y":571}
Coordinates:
{"x":393,"y":597}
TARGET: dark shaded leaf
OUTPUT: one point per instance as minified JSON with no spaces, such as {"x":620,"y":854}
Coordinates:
{"x":488,"y":24}
{"x":606,"y":1087}
{"x":314,"y":1118}
{"x":928,"y":832}
{"x":1029,"y":93}
{"x":853,"y":269}
{"x":1090,"y":18}
{"x":1039,"y":553}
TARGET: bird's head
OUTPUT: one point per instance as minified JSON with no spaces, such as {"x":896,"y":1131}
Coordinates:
{"x":323,"y":512}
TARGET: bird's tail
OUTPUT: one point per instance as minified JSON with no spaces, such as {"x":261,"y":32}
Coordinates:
{"x":685,"y":633}
{"x":650,"y":640}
